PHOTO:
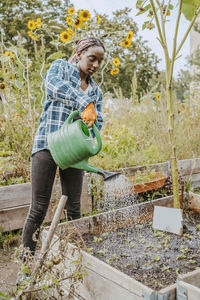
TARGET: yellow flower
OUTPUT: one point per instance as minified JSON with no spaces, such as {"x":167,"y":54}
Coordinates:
{"x":38,"y":23}
{"x":31,"y":25}
{"x":130,"y":35}
{"x":127,"y":43}
{"x":150,"y":15}
{"x":114,"y":71}
{"x":10,"y":54}
{"x":158,"y":96}
{"x":121,"y":44}
{"x":116,"y":61}
{"x":32,"y":36}
{"x":71,"y":11}
{"x":84,"y":25}
{"x":98,"y":19}
{"x":65,"y":36}
{"x":168,"y":13}
{"x":84,"y":15}
{"x":77,"y":23}
{"x":69,"y":20}
{"x":71,"y":32}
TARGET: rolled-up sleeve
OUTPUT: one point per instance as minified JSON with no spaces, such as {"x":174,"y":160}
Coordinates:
{"x":60,"y":89}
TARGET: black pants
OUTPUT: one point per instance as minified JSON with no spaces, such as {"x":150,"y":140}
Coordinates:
{"x":43,"y":171}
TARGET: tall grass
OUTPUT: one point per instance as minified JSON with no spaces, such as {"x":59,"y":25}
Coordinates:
{"x":135,"y":134}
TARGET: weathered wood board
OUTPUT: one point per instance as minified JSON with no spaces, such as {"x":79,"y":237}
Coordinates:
{"x":188,"y":286}
{"x":104,"y":281}
{"x":15,"y":202}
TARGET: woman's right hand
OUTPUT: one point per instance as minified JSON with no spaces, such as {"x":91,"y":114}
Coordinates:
{"x":89,"y":115}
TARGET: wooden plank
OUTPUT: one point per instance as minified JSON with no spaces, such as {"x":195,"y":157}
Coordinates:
{"x":189,"y":166}
{"x":103,"y":281}
{"x":15,"y":195}
{"x":191,"y":284}
{"x":14,"y":218}
{"x":185,"y":167}
{"x":169,"y":290}
{"x":20,"y":195}
{"x":194,"y":202}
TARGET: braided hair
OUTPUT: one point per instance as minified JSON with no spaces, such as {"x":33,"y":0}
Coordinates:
{"x":84,"y":44}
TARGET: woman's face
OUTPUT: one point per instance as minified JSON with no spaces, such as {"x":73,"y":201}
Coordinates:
{"x":90,"y":60}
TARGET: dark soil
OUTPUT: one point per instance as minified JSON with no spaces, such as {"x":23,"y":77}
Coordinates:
{"x":152,"y":257}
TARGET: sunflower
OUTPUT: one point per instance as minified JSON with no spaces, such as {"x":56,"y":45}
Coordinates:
{"x":127,"y":43}
{"x":71,"y":11}
{"x":38,"y":23}
{"x":158,"y":96}
{"x":77,"y":23}
{"x":114,"y":71}
{"x":84,"y":15}
{"x":9,"y":54}
{"x":130,"y":35}
{"x":32,"y":36}
{"x":116,"y":61}
{"x":65,"y":36}
{"x":69,"y":20}
{"x":31,"y":25}
{"x":98,"y":19}
{"x":70,"y":31}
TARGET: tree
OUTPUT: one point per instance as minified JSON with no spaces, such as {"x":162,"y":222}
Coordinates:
{"x":159,"y":11}
{"x":134,"y":56}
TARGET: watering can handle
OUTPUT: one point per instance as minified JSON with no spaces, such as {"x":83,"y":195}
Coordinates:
{"x":94,"y":128}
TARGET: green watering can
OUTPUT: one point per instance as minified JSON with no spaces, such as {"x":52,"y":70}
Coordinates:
{"x":73,"y":144}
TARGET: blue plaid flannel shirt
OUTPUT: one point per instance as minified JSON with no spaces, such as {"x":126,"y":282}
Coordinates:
{"x":63,"y":96}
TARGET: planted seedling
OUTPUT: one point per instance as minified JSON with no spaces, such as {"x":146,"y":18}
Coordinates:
{"x":114,"y":256}
{"x":139,"y":226}
{"x":97,"y":240}
{"x":142,"y":241}
{"x":192,"y":261}
{"x":188,"y":236}
{"x":180,"y":256}
{"x":121,"y":233}
{"x":158,"y":233}
{"x":166,"y":269}
{"x":156,"y":258}
{"x":150,"y":246}
{"x":105,"y":234}
{"x":126,"y":254}
{"x":127,"y":241}
{"x":102,"y":252}
{"x":131,"y":244}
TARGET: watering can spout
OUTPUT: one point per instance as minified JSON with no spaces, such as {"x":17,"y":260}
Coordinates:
{"x":107,"y":174}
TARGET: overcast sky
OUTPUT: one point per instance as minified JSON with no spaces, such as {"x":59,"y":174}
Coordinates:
{"x":107,"y":6}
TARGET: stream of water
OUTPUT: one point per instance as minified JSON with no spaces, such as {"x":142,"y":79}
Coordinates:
{"x":118,"y":192}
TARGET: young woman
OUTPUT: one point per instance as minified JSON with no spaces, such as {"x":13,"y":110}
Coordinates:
{"x":69,"y":86}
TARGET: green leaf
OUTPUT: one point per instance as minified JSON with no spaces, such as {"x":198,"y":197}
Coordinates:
{"x":3,"y":296}
{"x":25,"y":269}
{"x":55,"y":281}
{"x":189,"y":8}
{"x":144,"y":9}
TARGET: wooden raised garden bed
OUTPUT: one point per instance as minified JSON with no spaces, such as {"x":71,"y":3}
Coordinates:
{"x":15,"y":202}
{"x":105,"y":279}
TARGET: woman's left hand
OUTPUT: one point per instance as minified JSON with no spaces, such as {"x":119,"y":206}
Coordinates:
{"x":89,"y":115}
